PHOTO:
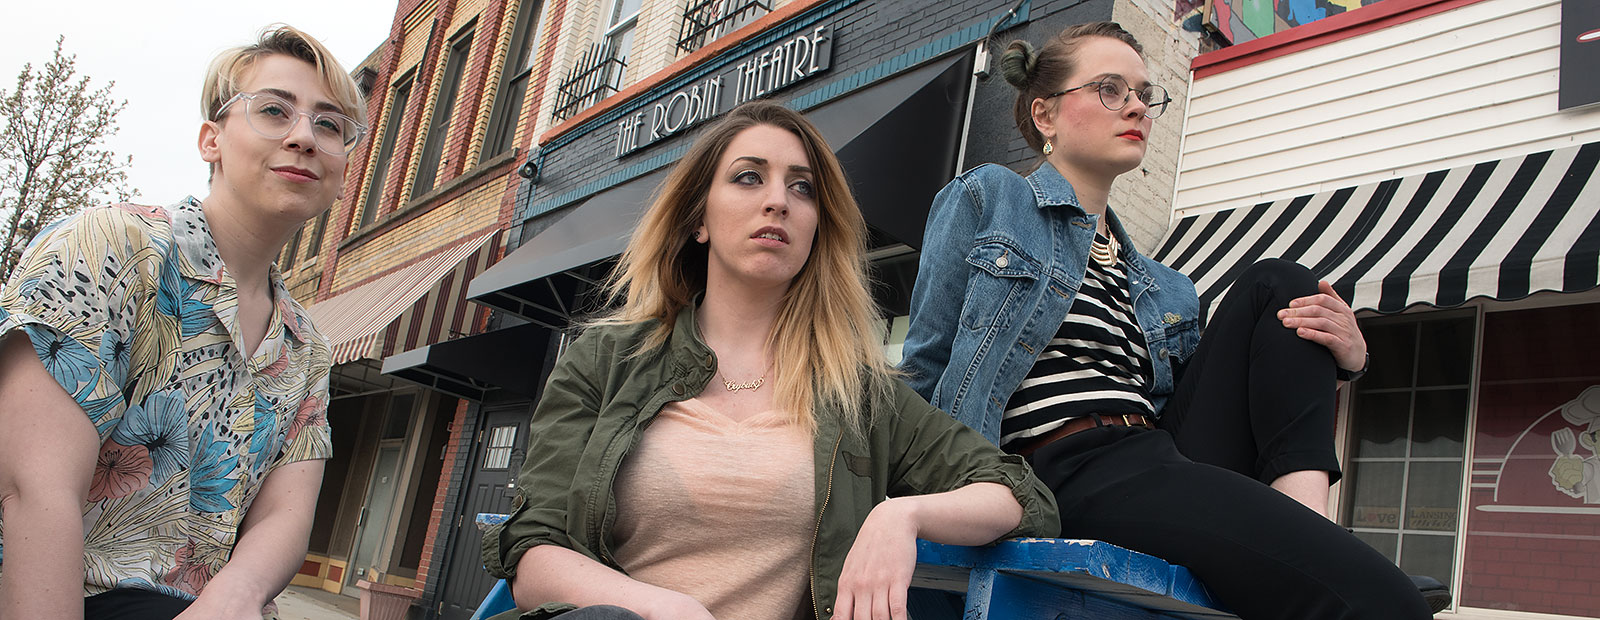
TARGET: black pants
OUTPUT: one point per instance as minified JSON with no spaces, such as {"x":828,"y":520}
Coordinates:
{"x":1255,"y":402}
{"x":132,"y":604}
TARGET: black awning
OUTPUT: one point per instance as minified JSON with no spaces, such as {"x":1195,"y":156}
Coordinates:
{"x":511,"y":358}
{"x":1501,"y":229}
{"x":898,"y":142}
{"x":546,"y":278}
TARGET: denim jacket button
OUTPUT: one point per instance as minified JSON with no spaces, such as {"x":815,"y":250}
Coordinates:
{"x":1002,"y":261}
{"x":1162,"y":353}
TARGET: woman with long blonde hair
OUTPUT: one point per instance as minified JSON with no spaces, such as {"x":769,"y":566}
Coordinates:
{"x":723,"y":443}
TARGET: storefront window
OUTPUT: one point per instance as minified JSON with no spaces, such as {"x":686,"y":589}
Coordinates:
{"x":1533,"y":508}
{"x":1408,"y":430}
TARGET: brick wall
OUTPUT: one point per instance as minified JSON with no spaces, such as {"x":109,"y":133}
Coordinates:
{"x":469,"y":214}
{"x":457,"y":446}
{"x":1143,"y":197}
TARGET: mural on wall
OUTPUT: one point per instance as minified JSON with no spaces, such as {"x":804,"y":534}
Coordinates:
{"x":1246,"y":20}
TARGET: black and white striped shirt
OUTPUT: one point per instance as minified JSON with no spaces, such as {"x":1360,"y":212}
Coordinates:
{"x":1097,"y":363}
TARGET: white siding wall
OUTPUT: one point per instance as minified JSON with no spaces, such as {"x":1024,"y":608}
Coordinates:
{"x":1473,"y":84}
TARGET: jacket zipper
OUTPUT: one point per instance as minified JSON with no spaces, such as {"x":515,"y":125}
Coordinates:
{"x":817,"y":533}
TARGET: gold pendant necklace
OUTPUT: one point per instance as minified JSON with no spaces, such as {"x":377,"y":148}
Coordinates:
{"x":1104,"y":253}
{"x":749,"y":385}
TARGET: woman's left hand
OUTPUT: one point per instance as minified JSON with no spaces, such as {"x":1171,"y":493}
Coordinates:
{"x":1324,"y":318}
{"x":877,"y":571}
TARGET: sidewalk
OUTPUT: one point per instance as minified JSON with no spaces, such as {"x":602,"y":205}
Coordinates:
{"x":299,"y":603}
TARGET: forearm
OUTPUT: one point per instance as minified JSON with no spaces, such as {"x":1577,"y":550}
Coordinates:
{"x":44,"y":555}
{"x":553,"y":574}
{"x":975,"y":514}
{"x":271,"y":545}
{"x":263,"y":562}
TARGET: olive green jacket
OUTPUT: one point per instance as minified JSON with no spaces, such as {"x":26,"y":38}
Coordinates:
{"x":599,"y":400}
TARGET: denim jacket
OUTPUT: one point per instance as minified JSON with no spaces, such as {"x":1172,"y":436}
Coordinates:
{"x":1002,"y":260}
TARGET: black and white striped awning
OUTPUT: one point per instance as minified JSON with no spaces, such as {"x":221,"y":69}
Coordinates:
{"x":1502,"y":229}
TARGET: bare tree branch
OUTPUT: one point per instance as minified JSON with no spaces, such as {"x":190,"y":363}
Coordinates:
{"x":53,"y":160}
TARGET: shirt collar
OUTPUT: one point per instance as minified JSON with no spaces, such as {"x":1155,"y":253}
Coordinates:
{"x":197,"y":251}
{"x":199,"y":259}
{"x":1050,"y":188}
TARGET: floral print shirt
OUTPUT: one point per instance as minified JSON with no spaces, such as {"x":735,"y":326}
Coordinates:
{"x":131,"y":310}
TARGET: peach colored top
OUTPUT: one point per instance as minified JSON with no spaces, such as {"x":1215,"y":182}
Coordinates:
{"x":720,"y":510}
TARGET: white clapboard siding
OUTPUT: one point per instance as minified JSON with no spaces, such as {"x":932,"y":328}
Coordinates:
{"x":1472,"y":84}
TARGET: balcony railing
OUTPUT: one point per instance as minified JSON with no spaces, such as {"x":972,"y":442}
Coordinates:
{"x":597,"y":74}
{"x":706,"y":20}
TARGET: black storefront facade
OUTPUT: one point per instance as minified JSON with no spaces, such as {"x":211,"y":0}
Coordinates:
{"x":900,"y":99}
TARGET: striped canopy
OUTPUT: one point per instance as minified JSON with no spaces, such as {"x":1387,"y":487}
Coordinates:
{"x":418,"y":304}
{"x":1502,"y":229}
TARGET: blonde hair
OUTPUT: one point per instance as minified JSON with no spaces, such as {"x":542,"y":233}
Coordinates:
{"x":228,"y":69}
{"x":826,"y":352}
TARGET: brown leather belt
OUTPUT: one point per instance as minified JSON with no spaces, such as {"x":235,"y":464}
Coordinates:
{"x":1084,"y":423}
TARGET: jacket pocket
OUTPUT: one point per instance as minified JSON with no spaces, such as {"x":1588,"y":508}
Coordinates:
{"x":1002,"y":276}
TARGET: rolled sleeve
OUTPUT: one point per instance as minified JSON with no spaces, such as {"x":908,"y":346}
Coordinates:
{"x":78,"y":293}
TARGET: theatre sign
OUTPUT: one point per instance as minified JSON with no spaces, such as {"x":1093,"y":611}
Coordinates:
{"x":753,"y":76}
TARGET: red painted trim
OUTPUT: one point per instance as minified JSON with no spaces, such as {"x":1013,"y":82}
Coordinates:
{"x":311,"y":568}
{"x":1348,"y":24}
{"x":679,"y":66}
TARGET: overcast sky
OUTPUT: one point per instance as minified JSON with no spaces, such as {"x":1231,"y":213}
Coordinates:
{"x":157,"y":52}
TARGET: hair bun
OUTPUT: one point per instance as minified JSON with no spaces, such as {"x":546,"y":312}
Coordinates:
{"x":1018,"y":62}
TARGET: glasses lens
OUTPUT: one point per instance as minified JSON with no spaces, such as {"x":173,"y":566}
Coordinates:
{"x":1155,"y":97}
{"x":1113,"y":92}
{"x":270,"y":116}
{"x":273,"y":117}
{"x":334,"y":131}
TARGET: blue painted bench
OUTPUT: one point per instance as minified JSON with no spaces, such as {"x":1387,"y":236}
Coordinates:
{"x":1032,"y":579}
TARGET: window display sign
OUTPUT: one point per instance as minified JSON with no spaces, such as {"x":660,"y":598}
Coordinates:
{"x":1580,"y":53}
{"x":1533,"y":516}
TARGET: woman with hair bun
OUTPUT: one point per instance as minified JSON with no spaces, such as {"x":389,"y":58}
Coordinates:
{"x":1036,"y":321}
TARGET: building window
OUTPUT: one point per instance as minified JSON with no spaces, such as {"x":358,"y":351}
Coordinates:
{"x":1533,"y":508}
{"x":439,"y":128}
{"x":1407,"y":450}
{"x":513,"y":82}
{"x":380,"y":169}
{"x":314,"y":244}
{"x":619,"y":35}
{"x":292,"y":249}
{"x":497,"y":455}
{"x":705,"y":21}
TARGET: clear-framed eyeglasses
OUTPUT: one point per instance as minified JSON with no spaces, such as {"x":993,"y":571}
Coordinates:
{"x":1115,"y":93}
{"x":274,"y":117}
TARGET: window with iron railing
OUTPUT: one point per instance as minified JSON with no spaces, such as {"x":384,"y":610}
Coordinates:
{"x":705,"y":21}
{"x":597,"y":73}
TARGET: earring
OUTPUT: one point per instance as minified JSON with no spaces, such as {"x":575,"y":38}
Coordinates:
{"x":700,"y":236}
{"x":1049,"y":148}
